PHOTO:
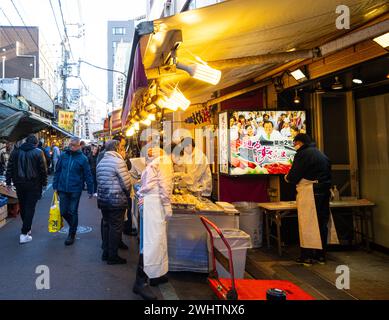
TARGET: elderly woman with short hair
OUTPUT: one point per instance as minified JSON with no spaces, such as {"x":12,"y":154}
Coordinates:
{"x":113,"y":192}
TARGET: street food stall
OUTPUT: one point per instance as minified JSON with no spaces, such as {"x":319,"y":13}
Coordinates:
{"x":197,"y":69}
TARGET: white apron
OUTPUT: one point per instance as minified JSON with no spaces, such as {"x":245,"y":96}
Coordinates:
{"x":309,"y":230}
{"x":155,"y":258}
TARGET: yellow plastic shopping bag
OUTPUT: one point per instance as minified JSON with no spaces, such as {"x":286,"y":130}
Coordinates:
{"x":55,"y":218}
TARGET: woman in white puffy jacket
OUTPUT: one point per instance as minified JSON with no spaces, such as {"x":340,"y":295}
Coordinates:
{"x":155,"y":194}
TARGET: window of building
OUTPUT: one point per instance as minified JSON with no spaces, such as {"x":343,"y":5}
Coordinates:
{"x":118,"y":31}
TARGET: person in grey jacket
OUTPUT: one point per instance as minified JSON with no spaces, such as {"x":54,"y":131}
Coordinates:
{"x":113,"y":193}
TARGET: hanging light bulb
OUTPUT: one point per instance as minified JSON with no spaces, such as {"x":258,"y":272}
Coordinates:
{"x":337,"y":85}
{"x":319,"y":88}
{"x":296,"y":99}
{"x":151,"y":117}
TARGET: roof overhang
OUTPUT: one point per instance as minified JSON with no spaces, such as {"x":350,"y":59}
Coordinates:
{"x":244,"y":38}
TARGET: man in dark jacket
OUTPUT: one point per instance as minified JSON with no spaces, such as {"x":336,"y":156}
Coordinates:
{"x":72,"y":172}
{"x":311,"y":165}
{"x":28,"y":171}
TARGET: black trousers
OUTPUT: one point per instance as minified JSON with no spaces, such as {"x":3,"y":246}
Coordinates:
{"x":28,"y":195}
{"x":322,"y":203}
{"x":112,"y":230}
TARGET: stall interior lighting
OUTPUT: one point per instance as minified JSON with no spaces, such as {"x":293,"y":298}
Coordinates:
{"x":296,"y":99}
{"x":357,"y":81}
{"x":130,"y":132}
{"x":319,"y":88}
{"x":178,"y":100}
{"x":136,"y":125}
{"x":151,"y":117}
{"x":146,"y":122}
{"x":383,"y":40}
{"x":337,"y":85}
{"x":202,"y":72}
{"x":173,"y":99}
{"x":298,"y":75}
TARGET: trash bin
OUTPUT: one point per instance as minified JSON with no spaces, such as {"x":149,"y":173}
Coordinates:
{"x":251,"y":221}
{"x":239,"y":242}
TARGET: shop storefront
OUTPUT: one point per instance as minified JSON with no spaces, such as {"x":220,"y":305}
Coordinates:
{"x":257,"y":61}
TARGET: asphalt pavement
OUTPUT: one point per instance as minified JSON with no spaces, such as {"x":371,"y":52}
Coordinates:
{"x":75,"y":272}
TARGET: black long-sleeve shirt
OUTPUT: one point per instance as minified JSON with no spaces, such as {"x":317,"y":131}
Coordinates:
{"x":311,"y":164}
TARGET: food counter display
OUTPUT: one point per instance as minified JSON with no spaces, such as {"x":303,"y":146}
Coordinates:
{"x":187,"y":237}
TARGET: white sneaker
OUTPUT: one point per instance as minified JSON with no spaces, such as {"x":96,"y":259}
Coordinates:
{"x":24,"y":238}
{"x":95,"y":195}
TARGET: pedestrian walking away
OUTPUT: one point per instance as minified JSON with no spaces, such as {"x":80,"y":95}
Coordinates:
{"x":72,"y":172}
{"x":27,"y":170}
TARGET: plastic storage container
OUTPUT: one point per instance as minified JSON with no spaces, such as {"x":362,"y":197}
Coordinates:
{"x":251,"y":221}
{"x":239,"y":242}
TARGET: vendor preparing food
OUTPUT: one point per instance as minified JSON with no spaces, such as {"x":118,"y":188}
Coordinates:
{"x":154,"y":197}
{"x":197,"y":175}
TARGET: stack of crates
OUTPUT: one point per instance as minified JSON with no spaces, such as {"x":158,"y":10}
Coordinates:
{"x":3,"y":210}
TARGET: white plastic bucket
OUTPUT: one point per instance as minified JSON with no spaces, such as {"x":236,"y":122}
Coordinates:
{"x":251,"y":221}
{"x":239,"y":242}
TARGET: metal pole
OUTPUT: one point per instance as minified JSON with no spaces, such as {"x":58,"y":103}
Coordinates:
{"x":64,"y":75}
{"x":34,"y":67}
{"x":3,"y":66}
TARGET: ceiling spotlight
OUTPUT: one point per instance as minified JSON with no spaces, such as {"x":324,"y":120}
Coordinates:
{"x":202,"y":72}
{"x":337,"y":85}
{"x":298,"y":75}
{"x":357,"y":81}
{"x":319,"y":88}
{"x":383,"y":40}
{"x":296,"y":99}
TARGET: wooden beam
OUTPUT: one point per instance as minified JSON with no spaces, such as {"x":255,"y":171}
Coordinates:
{"x":237,"y":93}
{"x":263,"y":59}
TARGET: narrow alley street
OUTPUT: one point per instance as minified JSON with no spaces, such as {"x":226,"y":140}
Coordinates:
{"x":77,"y":272}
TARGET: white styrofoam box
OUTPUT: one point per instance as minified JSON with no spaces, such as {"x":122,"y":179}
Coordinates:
{"x":239,"y":242}
{"x":187,"y":240}
{"x":3,"y":212}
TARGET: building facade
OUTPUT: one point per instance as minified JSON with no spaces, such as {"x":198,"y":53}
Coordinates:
{"x":117,"y":32}
{"x":122,"y":61}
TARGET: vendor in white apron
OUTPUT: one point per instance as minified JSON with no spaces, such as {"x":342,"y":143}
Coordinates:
{"x":311,"y":172}
{"x":197,"y":174}
{"x":154,"y":194}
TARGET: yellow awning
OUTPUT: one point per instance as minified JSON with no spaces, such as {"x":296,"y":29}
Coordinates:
{"x":242,"y":28}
